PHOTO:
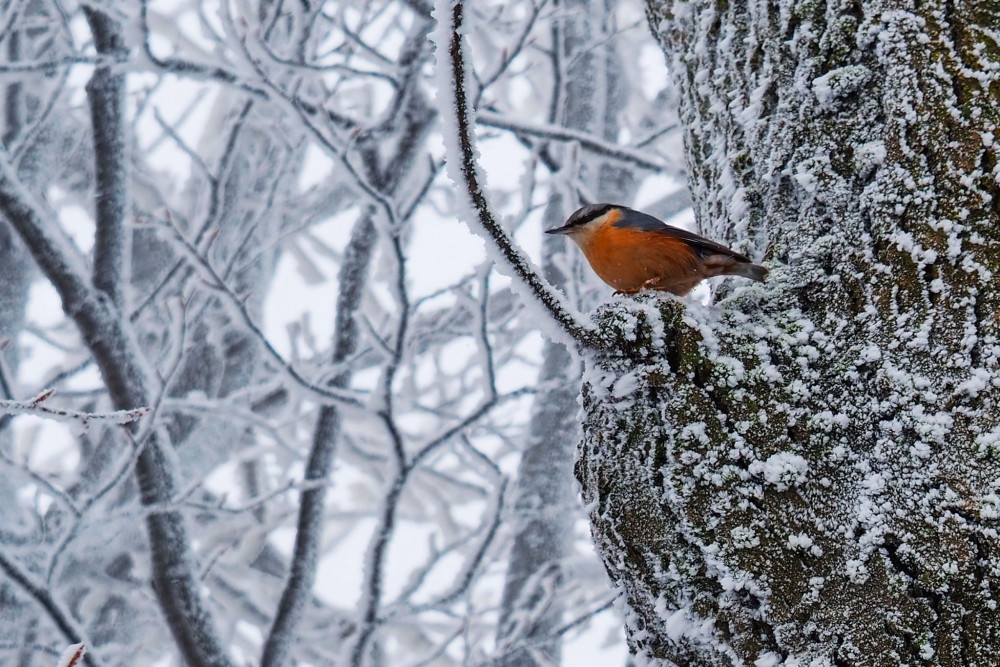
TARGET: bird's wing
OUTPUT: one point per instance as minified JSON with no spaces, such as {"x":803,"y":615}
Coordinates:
{"x":632,"y":219}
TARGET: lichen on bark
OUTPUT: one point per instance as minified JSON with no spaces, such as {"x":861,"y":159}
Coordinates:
{"x":806,"y":471}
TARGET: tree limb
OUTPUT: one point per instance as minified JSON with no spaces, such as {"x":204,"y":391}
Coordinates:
{"x":352,"y":280}
{"x":560,"y":133}
{"x":302,"y":572}
{"x":462,"y":166}
{"x":106,"y":98}
{"x":130,"y":383}
{"x":34,"y":407}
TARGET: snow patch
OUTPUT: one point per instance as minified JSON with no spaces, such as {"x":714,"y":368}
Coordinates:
{"x":840,"y":83}
{"x":782,"y":470}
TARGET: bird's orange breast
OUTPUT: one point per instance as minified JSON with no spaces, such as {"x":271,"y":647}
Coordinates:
{"x":632,"y":259}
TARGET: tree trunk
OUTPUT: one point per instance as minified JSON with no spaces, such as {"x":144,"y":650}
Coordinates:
{"x":806,"y":471}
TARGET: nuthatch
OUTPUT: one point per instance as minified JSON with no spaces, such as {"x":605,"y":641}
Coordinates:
{"x":631,"y":251}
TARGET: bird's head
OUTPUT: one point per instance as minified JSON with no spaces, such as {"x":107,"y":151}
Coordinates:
{"x":586,"y":220}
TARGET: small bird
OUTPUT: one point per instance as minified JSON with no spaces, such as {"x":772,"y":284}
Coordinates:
{"x":631,"y":250}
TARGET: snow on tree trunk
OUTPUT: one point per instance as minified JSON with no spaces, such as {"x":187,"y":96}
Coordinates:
{"x":805,"y":472}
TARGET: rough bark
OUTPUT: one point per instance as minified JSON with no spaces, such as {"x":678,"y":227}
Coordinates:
{"x":805,"y":472}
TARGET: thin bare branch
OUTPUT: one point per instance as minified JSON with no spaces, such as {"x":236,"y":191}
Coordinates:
{"x":61,"y":617}
{"x":549,"y":131}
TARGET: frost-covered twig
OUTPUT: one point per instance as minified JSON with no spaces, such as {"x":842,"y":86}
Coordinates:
{"x":372,"y":590}
{"x":36,"y":407}
{"x":22,"y":647}
{"x":229,"y":411}
{"x":482,"y":333}
{"x":14,"y":11}
{"x":539,"y":641}
{"x":513,"y":52}
{"x":352,"y":279}
{"x":329,"y":395}
{"x":380,"y":542}
{"x":30,"y":130}
{"x":254,"y":503}
{"x":429,"y":447}
{"x":403,"y":606}
{"x":466,"y":577}
{"x":302,"y":572}
{"x":169,"y":131}
{"x":624,"y":154}
{"x":319,"y":67}
{"x":73,"y":655}
{"x":28,"y":67}
{"x":71,"y":532}
{"x":43,"y":483}
{"x":375,"y":562}
{"x":442,"y":647}
{"x":184,"y":67}
{"x":215,"y":205}
{"x":454,"y":71}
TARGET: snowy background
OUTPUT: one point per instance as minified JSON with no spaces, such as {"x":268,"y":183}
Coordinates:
{"x":264,"y":143}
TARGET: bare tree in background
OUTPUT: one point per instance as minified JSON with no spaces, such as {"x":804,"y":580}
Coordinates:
{"x":587,"y":98}
{"x":221,"y":490}
{"x":20,"y":99}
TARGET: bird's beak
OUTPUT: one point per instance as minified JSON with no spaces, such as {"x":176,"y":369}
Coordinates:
{"x":558,"y":230}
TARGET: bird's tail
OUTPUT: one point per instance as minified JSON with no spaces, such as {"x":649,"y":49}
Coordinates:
{"x":747,"y":270}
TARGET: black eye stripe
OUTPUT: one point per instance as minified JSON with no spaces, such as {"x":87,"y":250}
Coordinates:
{"x":587,"y":214}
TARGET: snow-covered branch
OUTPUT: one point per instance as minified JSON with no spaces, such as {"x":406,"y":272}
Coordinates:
{"x":106,"y":98}
{"x":56,"y":611}
{"x":352,"y":280}
{"x":328,"y":394}
{"x":624,"y":154}
{"x":458,"y":117}
{"x":73,"y":656}
{"x":309,"y":530}
{"x":35,"y":406}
